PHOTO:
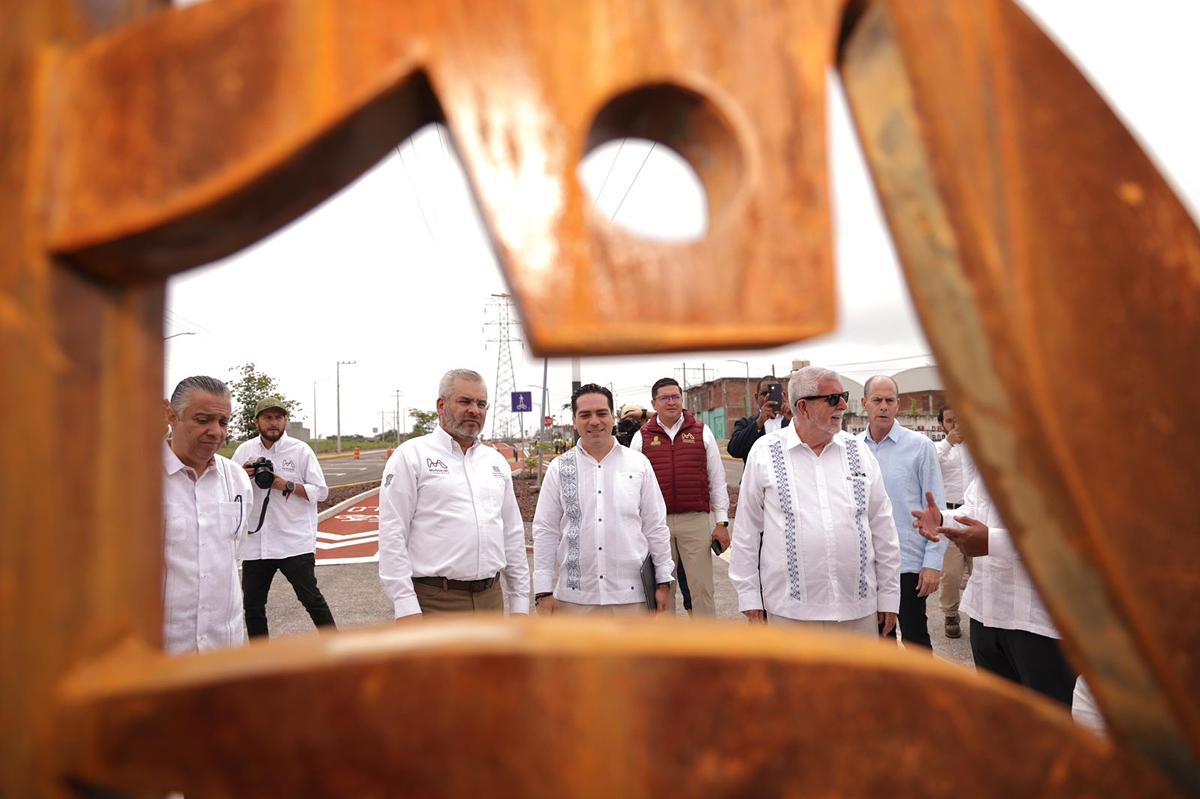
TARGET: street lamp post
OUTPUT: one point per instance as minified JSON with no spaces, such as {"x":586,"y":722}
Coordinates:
{"x":315,"y":436}
{"x":747,"y":365}
{"x":339,"y":400}
{"x":399,"y":394}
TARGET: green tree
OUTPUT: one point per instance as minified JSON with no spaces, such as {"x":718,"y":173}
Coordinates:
{"x":423,"y":422}
{"x":248,"y":386}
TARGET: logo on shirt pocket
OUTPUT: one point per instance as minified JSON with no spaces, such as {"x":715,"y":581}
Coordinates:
{"x":436,"y":466}
{"x":288,"y":465}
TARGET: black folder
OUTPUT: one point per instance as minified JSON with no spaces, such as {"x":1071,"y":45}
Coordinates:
{"x":649,"y":584}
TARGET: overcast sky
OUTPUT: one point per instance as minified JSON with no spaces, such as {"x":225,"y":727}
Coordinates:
{"x":396,"y":274}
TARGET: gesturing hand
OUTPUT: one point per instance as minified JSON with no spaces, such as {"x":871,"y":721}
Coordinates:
{"x":928,"y":519}
{"x":971,"y":539}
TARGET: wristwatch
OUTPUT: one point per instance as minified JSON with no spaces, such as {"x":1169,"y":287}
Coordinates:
{"x":539,"y":597}
{"x":288,"y":488}
{"x":723,"y":524}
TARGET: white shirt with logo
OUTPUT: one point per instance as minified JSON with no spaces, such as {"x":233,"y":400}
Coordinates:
{"x":595,"y":522}
{"x":443,"y":513}
{"x":204,"y":521}
{"x":290,"y":526}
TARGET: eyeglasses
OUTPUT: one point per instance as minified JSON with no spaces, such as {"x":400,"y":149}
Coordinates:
{"x":832,"y":399}
{"x":670,"y":398}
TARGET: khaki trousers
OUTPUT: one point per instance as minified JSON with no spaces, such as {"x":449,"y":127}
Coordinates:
{"x":691,"y":539}
{"x":867,"y":626}
{"x":434,"y":599}
{"x":950,"y":588}
{"x":573,"y":609}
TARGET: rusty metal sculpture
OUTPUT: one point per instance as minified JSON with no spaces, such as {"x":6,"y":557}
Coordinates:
{"x":1013,"y":194}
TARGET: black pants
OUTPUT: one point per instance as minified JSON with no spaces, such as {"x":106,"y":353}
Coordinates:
{"x":681,"y":575}
{"x":914,"y":628}
{"x":300,"y":571}
{"x":1025,"y":658}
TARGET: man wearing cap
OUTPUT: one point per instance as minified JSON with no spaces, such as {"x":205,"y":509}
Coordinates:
{"x":287,"y":538}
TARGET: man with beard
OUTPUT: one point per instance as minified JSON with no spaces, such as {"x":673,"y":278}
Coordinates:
{"x":287,"y":538}
{"x":598,"y":515}
{"x":910,"y":471}
{"x":814,"y":542}
{"x":205,"y":505}
{"x":449,"y":525}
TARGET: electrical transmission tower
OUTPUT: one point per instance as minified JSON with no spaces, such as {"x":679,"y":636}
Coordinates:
{"x":500,"y":310}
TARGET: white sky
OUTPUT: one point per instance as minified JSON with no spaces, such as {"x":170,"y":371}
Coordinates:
{"x":396,"y":273}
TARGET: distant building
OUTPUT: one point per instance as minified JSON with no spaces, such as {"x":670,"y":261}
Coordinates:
{"x":721,"y":402}
{"x":297,"y":430}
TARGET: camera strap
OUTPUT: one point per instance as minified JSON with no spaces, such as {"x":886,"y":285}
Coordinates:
{"x":263,"y":514}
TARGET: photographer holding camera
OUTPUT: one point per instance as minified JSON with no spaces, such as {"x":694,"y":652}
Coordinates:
{"x":773,"y":414}
{"x":288,"y":485}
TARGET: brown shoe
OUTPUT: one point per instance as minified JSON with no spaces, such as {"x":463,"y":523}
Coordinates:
{"x":952,"y":628}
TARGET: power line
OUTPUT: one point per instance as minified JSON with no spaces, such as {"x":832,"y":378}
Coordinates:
{"x":416,"y":196}
{"x":607,"y":174}
{"x":635,"y":177}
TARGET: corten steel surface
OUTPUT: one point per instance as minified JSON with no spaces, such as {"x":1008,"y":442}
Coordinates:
{"x":1035,"y":219}
{"x":307,"y":95}
{"x":1056,"y":275}
{"x":578,"y":708}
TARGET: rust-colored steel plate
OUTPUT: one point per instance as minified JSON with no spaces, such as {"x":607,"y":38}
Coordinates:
{"x":184,"y":138}
{"x":1058,"y":279}
{"x":553,"y":708}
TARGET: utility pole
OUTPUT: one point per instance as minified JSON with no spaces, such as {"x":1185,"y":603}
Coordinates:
{"x":747,"y":365}
{"x":340,"y":364}
{"x":398,"y":393}
{"x":506,"y":380}
{"x":542,"y":421}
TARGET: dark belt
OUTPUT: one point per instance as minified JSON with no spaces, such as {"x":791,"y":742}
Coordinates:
{"x":446,"y":584}
{"x":953,"y":505}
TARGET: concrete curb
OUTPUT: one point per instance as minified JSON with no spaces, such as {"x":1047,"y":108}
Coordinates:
{"x":349,"y":503}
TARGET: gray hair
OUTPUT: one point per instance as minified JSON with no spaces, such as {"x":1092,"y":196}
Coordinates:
{"x":183,"y":392}
{"x":804,"y":382}
{"x":458,"y":374}
{"x":873,"y":378}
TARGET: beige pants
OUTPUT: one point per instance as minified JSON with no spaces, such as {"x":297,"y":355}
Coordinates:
{"x":866,"y":626}
{"x":435,"y":599}
{"x":950,"y":588}
{"x":635,"y":609}
{"x":691,"y":539}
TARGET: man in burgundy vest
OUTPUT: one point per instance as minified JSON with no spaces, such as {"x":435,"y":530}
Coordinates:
{"x":690,"y":474}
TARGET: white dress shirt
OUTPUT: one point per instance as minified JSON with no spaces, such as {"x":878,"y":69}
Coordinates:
{"x":204,"y":521}
{"x":596,"y":521}
{"x":1000,"y":593}
{"x":718,"y":494}
{"x":814,"y":538}
{"x":958,"y":470}
{"x":443,"y":513}
{"x":290,"y":526}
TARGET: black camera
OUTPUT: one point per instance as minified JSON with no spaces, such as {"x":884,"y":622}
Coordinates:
{"x":625,"y":430}
{"x":264,"y":473}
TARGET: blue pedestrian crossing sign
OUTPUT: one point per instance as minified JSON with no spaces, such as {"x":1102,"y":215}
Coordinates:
{"x":522,"y":401}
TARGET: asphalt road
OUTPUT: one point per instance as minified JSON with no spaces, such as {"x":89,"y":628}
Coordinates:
{"x":346,"y":470}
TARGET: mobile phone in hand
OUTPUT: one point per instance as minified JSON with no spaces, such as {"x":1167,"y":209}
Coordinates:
{"x":775,"y":395}
{"x":716,"y":547}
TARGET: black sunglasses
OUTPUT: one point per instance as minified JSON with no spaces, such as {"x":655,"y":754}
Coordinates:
{"x":832,"y":399}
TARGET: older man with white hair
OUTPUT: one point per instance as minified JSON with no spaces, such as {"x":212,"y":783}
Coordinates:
{"x":814,"y":539}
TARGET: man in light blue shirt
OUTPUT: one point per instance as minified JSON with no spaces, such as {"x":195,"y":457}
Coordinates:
{"x":910,"y":469}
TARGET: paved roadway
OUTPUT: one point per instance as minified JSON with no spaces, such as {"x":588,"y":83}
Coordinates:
{"x":344,"y":471}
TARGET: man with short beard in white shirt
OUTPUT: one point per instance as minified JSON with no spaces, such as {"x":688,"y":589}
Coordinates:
{"x":598,"y":514}
{"x":814,"y":541}
{"x":449,"y":525}
{"x":206,"y":501}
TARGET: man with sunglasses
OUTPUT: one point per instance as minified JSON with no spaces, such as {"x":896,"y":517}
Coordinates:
{"x":773,"y":414}
{"x":814,"y":541}
{"x":687,"y":464}
{"x":449,"y":527}
{"x":910,"y":471}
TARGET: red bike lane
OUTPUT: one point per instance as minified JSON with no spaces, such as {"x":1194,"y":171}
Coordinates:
{"x":352,"y":534}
